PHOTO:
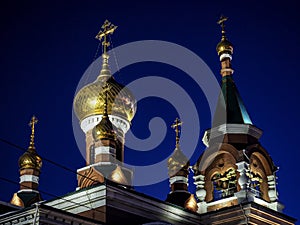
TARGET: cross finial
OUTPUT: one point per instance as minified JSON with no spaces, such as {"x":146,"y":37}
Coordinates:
{"x":32,"y":123}
{"x":221,"y":22}
{"x":106,"y":29}
{"x":175,"y":126}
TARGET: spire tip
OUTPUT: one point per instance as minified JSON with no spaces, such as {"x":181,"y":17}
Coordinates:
{"x":32,"y":123}
{"x":175,"y":126}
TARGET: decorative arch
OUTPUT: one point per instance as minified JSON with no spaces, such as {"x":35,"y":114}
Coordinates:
{"x":264,"y":156}
{"x":260,"y":169}
{"x":207,"y":158}
{"x":221,"y":176}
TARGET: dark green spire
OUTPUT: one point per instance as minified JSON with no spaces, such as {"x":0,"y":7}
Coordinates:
{"x":230,"y":104}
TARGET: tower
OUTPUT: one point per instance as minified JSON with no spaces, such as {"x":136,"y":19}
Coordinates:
{"x":178,"y":167}
{"x":234,"y":168}
{"x":30,"y":164}
{"x":113,"y":106}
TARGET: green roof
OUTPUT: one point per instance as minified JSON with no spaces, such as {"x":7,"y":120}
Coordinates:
{"x":230,"y":108}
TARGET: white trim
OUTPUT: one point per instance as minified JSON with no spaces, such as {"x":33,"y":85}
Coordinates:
{"x":105,"y":150}
{"x":276,"y":206}
{"x":231,"y":129}
{"x":225,"y":55}
{"x":28,"y":190}
{"x":29,"y":178}
{"x":91,"y":121}
{"x":178,"y":179}
{"x":227,"y":70}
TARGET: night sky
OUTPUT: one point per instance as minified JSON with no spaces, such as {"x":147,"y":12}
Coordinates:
{"x":46,"y":46}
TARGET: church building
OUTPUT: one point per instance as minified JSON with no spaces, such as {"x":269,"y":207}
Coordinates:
{"x":235,"y":177}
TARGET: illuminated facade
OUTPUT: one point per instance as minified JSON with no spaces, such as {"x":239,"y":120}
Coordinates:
{"x":235,"y":177}
{"x":234,"y":168}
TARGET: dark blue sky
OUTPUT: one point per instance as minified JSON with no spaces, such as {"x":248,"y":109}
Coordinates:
{"x":47,"y":45}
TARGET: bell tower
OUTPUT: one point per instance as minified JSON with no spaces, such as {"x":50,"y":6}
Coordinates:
{"x":235,"y":168}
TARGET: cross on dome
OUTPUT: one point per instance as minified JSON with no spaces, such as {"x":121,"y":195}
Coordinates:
{"x":32,"y":123}
{"x":175,"y":126}
{"x":106,"y":29}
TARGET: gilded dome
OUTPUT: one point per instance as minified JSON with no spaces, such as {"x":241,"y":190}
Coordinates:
{"x":90,"y":99}
{"x":178,"y":162}
{"x":224,"y":46}
{"x":104,"y":129}
{"x":30,"y":160}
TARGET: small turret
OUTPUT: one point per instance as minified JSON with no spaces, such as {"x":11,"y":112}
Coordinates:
{"x":178,"y":167}
{"x":30,"y":164}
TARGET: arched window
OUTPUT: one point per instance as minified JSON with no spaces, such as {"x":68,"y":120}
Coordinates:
{"x":224,"y":184}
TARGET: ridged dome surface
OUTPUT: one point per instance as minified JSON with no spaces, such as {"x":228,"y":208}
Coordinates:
{"x":224,"y":46}
{"x":178,"y":161}
{"x":90,"y":99}
{"x":30,"y":160}
{"x":104,"y":130}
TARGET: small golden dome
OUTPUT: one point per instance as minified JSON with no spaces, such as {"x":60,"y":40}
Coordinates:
{"x":90,"y":99}
{"x":104,"y":130}
{"x":224,"y":46}
{"x":178,"y":162}
{"x":30,"y":160}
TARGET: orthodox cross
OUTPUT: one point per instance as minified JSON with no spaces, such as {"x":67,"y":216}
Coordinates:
{"x":221,"y":22}
{"x":32,"y":123}
{"x":175,"y":126}
{"x":106,"y":29}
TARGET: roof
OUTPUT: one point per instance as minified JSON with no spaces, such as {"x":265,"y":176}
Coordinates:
{"x":113,"y":203}
{"x":230,"y":103}
{"x":43,"y":214}
{"x":7,"y":207}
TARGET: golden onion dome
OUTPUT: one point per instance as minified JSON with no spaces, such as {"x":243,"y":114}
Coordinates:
{"x":224,"y":46}
{"x":104,"y":129}
{"x":90,"y":99}
{"x":178,"y":161}
{"x":30,"y":160}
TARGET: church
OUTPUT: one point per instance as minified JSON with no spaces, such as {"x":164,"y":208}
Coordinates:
{"x":235,"y":177}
